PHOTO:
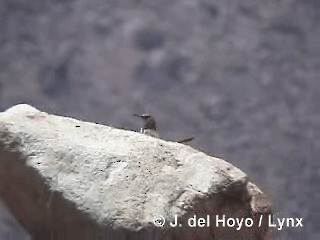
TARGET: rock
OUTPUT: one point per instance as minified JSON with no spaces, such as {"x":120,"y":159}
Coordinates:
{"x":7,"y":222}
{"x":63,"y":178}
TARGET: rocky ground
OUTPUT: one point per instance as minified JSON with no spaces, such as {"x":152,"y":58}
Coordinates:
{"x":240,"y":76}
{"x":79,"y":180}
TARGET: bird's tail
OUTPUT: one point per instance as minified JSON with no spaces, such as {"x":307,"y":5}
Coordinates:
{"x":186,"y":140}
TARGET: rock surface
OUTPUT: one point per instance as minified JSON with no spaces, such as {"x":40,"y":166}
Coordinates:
{"x":71,"y":179}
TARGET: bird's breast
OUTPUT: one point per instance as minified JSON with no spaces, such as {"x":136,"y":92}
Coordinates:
{"x":150,"y":132}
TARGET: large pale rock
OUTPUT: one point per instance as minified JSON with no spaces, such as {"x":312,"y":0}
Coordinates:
{"x":67,"y":179}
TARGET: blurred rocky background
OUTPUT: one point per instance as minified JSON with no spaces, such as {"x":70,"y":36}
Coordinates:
{"x":242,"y":76}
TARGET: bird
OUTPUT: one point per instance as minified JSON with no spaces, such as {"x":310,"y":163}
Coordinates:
{"x":150,"y":127}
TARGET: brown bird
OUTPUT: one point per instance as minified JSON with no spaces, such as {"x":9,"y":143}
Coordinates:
{"x":150,"y":128}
